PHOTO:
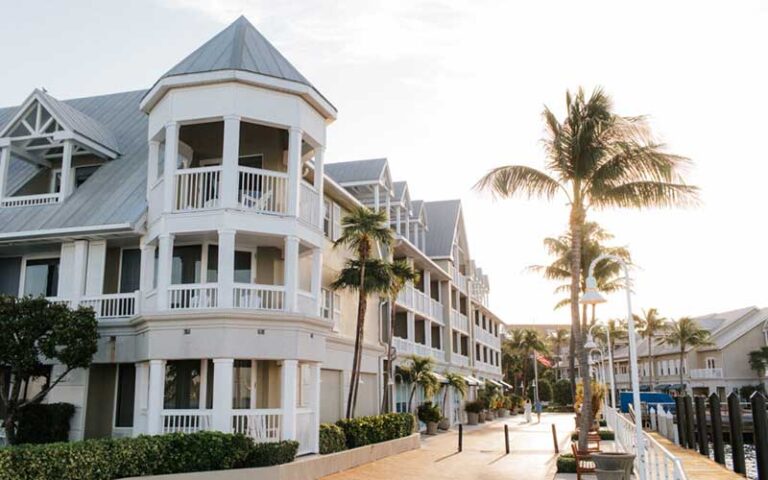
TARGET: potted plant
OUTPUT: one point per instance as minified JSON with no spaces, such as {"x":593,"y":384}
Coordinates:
{"x":444,"y":424}
{"x":459,"y":384}
{"x":429,"y":413}
{"x":473,"y":410}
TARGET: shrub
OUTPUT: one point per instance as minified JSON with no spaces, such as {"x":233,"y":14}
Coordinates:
{"x":559,"y":408}
{"x":475,"y":406}
{"x":604,"y":435}
{"x":332,"y":439}
{"x":378,"y":428}
{"x":566,"y":463}
{"x":109,"y":459}
{"x":429,"y":413}
{"x":545,"y":391}
{"x":561,"y":393}
{"x":44,"y":423}
{"x":517,"y":400}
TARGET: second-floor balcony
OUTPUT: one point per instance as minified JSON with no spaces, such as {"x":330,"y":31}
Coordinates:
{"x":459,"y":321}
{"x":265,"y":298}
{"x":487,"y":337}
{"x":407,"y":347}
{"x":418,"y":301}
{"x":487,"y":367}
{"x":459,"y":279}
{"x":706,"y":373}
{"x":116,"y":305}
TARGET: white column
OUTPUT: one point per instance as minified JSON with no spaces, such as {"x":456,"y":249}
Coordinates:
{"x":291,"y":273}
{"x":408,"y":225}
{"x":140,"y":398}
{"x":229,"y":161}
{"x":169,"y":166}
{"x":389,"y":205}
{"x":317,"y":278}
{"x":152,"y":168}
{"x":428,"y":333}
{"x":223,"y":369}
{"x":398,"y":227}
{"x":156,"y":395}
{"x":80,"y":264}
{"x":226,"y":267}
{"x":164,"y":264}
{"x":376,"y":198}
{"x":416,"y":235}
{"x":294,"y":170}
{"x":319,"y":181}
{"x":5,"y":160}
{"x":427,"y":277}
{"x":97,"y":257}
{"x":288,"y":397}
{"x":314,"y":404}
{"x":147,"y":273}
{"x":411,"y":326}
{"x":66,"y":170}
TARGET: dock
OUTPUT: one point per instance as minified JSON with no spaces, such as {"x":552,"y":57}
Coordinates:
{"x":696,"y":465}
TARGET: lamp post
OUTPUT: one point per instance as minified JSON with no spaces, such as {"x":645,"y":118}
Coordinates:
{"x":592,"y":297}
{"x":591,"y":344}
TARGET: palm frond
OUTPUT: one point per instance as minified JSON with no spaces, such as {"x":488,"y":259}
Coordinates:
{"x":377,"y":276}
{"x":513,"y":180}
{"x":645,"y":194}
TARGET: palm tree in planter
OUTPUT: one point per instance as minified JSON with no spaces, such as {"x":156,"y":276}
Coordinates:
{"x":400,"y":273}
{"x":419,"y":372}
{"x":758,"y":361}
{"x":362,"y":230}
{"x":650,"y":325}
{"x":596,"y":159}
{"x":683,"y":334}
{"x":459,"y":385}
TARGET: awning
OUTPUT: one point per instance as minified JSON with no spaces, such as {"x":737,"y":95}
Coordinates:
{"x":472,"y":381}
{"x":494,"y":382}
{"x":663,"y":387}
{"x":440,"y":378}
{"x":505,"y":384}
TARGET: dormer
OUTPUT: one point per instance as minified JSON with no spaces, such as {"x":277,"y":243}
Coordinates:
{"x":48,"y":149}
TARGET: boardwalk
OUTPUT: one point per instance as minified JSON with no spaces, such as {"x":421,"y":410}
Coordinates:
{"x":532,"y":454}
{"x":697,"y":466}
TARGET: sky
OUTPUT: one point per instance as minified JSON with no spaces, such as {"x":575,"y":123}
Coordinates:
{"x":448,"y":89}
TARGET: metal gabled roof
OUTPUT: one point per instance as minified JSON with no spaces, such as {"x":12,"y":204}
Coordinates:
{"x":357,"y":171}
{"x":443,"y":220}
{"x":114,"y":195}
{"x":239,"y":47}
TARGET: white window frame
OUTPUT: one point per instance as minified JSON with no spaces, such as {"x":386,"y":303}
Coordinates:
{"x":712,"y":361}
{"x":34,"y":256}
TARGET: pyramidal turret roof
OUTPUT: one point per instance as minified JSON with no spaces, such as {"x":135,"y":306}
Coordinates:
{"x":239,"y":47}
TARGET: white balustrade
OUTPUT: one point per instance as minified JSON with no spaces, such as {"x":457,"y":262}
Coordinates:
{"x":418,"y":301}
{"x":264,"y":191}
{"x":459,"y":321}
{"x":306,"y":303}
{"x":185,"y":421}
{"x":460,"y":360}
{"x":259,"y":297}
{"x":486,"y":337}
{"x":193,"y":296}
{"x":309,"y":204}
{"x":305,"y":430}
{"x":30,"y":200}
{"x":436,"y":310}
{"x":262,"y":425}
{"x":459,"y":279}
{"x":407,"y":347}
{"x":197,"y":188}
{"x":115,"y":305}
{"x":706,"y":373}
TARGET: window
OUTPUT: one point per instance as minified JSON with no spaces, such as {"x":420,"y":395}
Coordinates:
{"x":182,"y":384}
{"x":242,"y":265}
{"x":255,"y":160}
{"x":84,"y":173}
{"x":710,"y":362}
{"x":126,"y":383}
{"x":130,"y":270}
{"x":331,"y":309}
{"x":41,"y":277}
{"x":241,"y":384}
{"x":331,"y":220}
{"x":186,"y":265}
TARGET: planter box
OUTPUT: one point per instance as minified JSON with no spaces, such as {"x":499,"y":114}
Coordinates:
{"x":307,"y":468}
{"x":473,"y":418}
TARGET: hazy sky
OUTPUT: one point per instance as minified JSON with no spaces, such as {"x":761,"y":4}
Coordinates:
{"x":448,"y":89}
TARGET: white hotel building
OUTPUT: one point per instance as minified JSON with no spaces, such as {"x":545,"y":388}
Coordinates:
{"x":209,"y":273}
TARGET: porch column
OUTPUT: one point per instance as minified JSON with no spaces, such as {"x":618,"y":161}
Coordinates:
{"x":408,"y":225}
{"x":319,"y":181}
{"x":79,"y":265}
{"x":389,"y":205}
{"x":147,"y":272}
{"x":314,"y":405}
{"x":428,"y":333}
{"x":223,"y":370}
{"x":152,"y":167}
{"x":140,"y":398}
{"x":294,"y":170}
{"x":398,"y":227}
{"x":94,"y":276}
{"x":376,"y":198}
{"x":288,"y":397}
{"x":411,"y":326}
{"x":291,"y":273}
{"x":416,"y":235}
{"x":427,"y":280}
{"x":164,"y":266}
{"x":5,"y":160}
{"x":169,"y":165}
{"x":66,"y":170}
{"x":156,"y":395}
{"x":226,"y":267}
{"x":229,"y":162}
{"x":317,"y":278}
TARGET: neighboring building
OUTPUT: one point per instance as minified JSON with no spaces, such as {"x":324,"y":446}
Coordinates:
{"x":197,"y":219}
{"x":719,"y":368}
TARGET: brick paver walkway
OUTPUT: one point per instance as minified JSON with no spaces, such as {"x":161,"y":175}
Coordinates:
{"x":532,"y":455}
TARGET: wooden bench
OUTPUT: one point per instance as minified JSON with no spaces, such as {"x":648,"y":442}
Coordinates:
{"x":584,"y":463}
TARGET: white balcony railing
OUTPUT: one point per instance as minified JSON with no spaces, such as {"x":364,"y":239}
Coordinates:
{"x":30,"y":200}
{"x":436,"y":310}
{"x":407,"y":347}
{"x":460,"y":360}
{"x":487,"y":367}
{"x":263,"y":191}
{"x":706,"y":373}
{"x":309,"y":205}
{"x":262,"y":425}
{"x":197,"y":188}
{"x":259,"y":297}
{"x":459,"y":321}
{"x":306,"y":430}
{"x":413,"y":298}
{"x":193,"y":296}
{"x":621,"y":377}
{"x":185,"y":421}
{"x":306,"y":303}
{"x":115,"y":305}
{"x":459,"y":279}
{"x":486,"y":337}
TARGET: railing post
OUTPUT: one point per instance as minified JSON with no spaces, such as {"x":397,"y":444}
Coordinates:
{"x":680,"y":410}
{"x":701,"y":424}
{"x":689,"y":427}
{"x":760,"y":425}
{"x":737,"y":433}
{"x":717,"y":428}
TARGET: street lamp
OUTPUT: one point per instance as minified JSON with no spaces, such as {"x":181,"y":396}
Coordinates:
{"x":591,"y":340}
{"x":592,"y":297}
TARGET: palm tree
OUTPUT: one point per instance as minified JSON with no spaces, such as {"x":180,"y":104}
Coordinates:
{"x":511,"y":358}
{"x":650,"y":324}
{"x":606,"y":272}
{"x":458,"y":383}
{"x":683,"y":334}
{"x":758,"y":361}
{"x":617,"y":329}
{"x":419,"y":372}
{"x":523,"y":343}
{"x":400,"y":272}
{"x":596,"y":159}
{"x":556,"y":340}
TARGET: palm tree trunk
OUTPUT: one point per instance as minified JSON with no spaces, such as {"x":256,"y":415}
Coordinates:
{"x":390,"y":368}
{"x":362,"y":300}
{"x":361,"y":334}
{"x":576,"y":225}
{"x":572,"y":362}
{"x":682,"y":360}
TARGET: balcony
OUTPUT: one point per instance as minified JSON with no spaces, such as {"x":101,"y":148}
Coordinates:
{"x":487,"y":337}
{"x":117,"y":305}
{"x":459,"y":279}
{"x":418,"y":301}
{"x":488,"y":368}
{"x":460,"y":360}
{"x":407,"y":347}
{"x":266,"y":298}
{"x":459,"y":321}
{"x":30,"y":200}
{"x":706,"y":373}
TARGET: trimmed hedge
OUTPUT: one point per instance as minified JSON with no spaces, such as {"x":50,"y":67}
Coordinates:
{"x":566,"y":463}
{"x":561,"y":392}
{"x":604,"y":435}
{"x":378,"y":428}
{"x":44,"y":423}
{"x":332,"y":439}
{"x":110,"y":459}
